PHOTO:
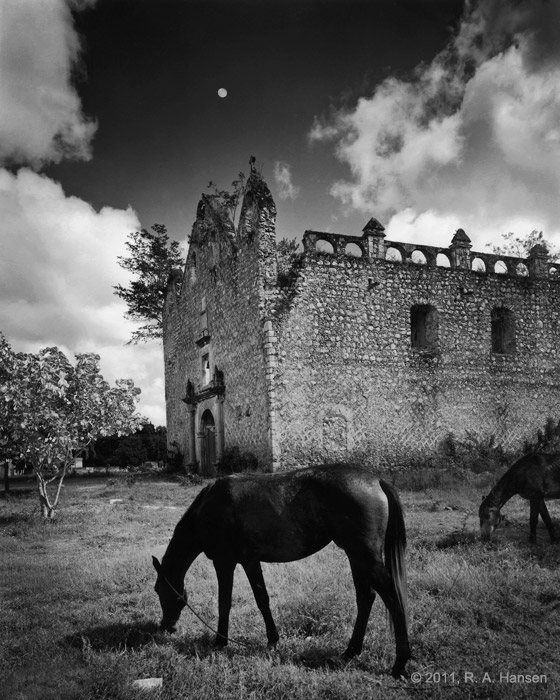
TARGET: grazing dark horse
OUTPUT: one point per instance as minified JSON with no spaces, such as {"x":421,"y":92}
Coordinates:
{"x":534,"y":477}
{"x":287,"y":516}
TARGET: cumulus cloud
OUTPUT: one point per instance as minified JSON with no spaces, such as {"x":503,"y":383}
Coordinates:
{"x":58,"y":263}
{"x":283,"y":177}
{"x":41,"y":118}
{"x":57,"y":271}
{"x":474,"y":135}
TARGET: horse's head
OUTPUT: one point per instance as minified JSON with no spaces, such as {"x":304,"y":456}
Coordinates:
{"x":172,"y":599}
{"x":490,"y":518}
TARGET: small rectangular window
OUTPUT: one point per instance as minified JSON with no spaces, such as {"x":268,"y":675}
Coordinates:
{"x":503,"y":331}
{"x":203,"y":317}
{"x":205,"y":369}
{"x":424,"y":328}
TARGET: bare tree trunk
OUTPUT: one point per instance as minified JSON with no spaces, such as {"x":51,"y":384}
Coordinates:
{"x":48,"y":508}
{"x":6,"y":477}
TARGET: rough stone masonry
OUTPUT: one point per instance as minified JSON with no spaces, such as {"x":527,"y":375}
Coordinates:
{"x":364,"y":349}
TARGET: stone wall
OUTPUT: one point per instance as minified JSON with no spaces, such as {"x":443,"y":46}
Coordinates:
{"x":351,"y":385}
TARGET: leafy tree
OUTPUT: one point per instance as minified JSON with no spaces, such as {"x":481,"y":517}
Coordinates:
{"x":147,"y":444}
{"x":153,"y":258}
{"x":50,"y":410}
{"x":520,"y":246}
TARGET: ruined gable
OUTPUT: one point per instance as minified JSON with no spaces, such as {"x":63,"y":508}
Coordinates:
{"x":214,"y":339}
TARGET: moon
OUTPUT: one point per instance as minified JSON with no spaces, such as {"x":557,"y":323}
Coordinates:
{"x":222,"y":92}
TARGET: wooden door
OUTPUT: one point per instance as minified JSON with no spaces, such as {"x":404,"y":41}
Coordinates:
{"x":208,"y":457}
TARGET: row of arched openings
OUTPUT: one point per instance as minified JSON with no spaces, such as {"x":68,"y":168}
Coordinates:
{"x":417,"y":257}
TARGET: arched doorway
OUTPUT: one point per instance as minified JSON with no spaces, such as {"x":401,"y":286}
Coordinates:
{"x":208,"y":456}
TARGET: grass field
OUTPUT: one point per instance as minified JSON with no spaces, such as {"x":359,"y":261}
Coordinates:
{"x":79,"y":615}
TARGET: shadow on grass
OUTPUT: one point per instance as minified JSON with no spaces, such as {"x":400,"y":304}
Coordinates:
{"x":121,"y":637}
{"x":328,"y":659}
{"x":458,"y":537}
{"x":17,"y":493}
{"x":117,"y":637}
{"x":15,"y":519}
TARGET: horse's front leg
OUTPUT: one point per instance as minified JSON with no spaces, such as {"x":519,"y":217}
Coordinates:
{"x":224,"y":573}
{"x":545,"y":515}
{"x":254,"y":573}
{"x":534,"y":506}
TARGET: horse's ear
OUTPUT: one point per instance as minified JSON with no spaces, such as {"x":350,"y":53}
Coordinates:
{"x":157,"y":565}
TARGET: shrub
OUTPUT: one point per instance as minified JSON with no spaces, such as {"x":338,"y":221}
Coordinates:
{"x":234,"y":461}
{"x":547,"y":440}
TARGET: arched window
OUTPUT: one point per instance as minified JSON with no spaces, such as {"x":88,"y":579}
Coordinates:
{"x":442,"y":260}
{"x":478,"y":265}
{"x":323,"y":246}
{"x":500,"y":268}
{"x":418,"y":258}
{"x":503,"y":330}
{"x":393,"y":254}
{"x":353,"y":250}
{"x":424,"y":328}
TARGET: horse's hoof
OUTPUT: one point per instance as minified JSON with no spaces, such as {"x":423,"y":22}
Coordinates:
{"x":273,"y":640}
{"x":349,"y":654}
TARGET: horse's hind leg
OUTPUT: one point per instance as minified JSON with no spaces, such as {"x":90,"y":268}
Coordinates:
{"x":545,"y":515}
{"x":533,"y":519}
{"x":255,"y":575}
{"x":386,"y":587}
{"x":368,"y":580}
{"x":224,"y":573}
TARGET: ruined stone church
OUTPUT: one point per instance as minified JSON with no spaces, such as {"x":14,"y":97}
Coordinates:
{"x":362,"y":349}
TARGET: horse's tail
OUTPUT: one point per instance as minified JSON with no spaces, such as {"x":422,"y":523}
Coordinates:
{"x":395,"y":546}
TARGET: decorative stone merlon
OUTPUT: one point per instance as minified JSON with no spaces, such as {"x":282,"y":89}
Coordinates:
{"x":460,"y":250}
{"x":374,"y":233}
{"x":537,"y":262}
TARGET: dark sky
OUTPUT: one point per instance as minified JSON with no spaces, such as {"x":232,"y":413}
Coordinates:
{"x":150,"y":75}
